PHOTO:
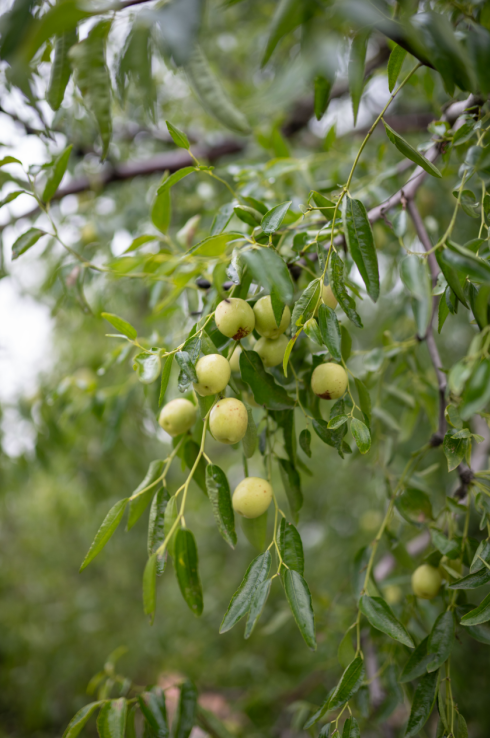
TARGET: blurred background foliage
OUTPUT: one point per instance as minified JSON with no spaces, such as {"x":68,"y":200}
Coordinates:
{"x":93,"y":426}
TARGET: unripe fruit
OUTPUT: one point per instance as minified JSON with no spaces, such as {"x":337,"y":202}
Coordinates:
{"x":177,"y":416}
{"x":213,"y":372}
{"x":265,"y":322}
{"x":234,"y":318}
{"x":393,"y":594}
{"x":271,"y":351}
{"x":235,"y":360}
{"x":328,"y":298}
{"x":252,"y":497}
{"x":426,"y":582}
{"x":329,"y":381}
{"x":228,"y":420}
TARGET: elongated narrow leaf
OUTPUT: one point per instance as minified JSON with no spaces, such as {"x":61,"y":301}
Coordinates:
{"x":26,"y":241}
{"x":161,"y":210}
{"x":167,"y":368}
{"x":305,"y":307}
{"x":380,"y":616}
{"x":264,"y":388}
{"x":361,"y":435}
{"x":466,"y":263}
{"x":156,"y":530}
{"x":56,"y":174}
{"x":415,"y":276}
{"x":395,"y":62}
{"x":364,"y":400}
{"x":258,"y":603}
{"x":292,"y":486}
{"x":416,"y":665}
{"x":219,"y":494}
{"x":215,"y":246}
{"x":186,"y":568}
{"x":141,"y":500}
{"x":299,"y":598}
{"x":149,"y":587}
{"x":291,"y":547}
{"x":356,"y":68}
{"x":175,"y":177}
{"x":479,"y":615}
{"x":187,"y":374}
{"x":472,"y":581}
{"x":477,"y":391}
{"x":120,"y":325}
{"x":179,"y":137}
{"x":347,"y":687}
{"x":212,"y":95}
{"x":186,"y":713}
{"x":422,"y":704}
{"x":255,"y":530}
{"x":359,"y":239}
{"x":410,"y":153}
{"x":106,"y":530}
{"x":191,"y":452}
{"x":305,"y":441}
{"x":441,"y":640}
{"x":328,"y":435}
{"x":78,"y":721}
{"x":287,"y":16}
{"x":270,"y":271}
{"x":242,"y":599}
{"x":351,"y":728}
{"x":273,"y":218}
{"x":154,"y":709}
{"x":322,"y":89}
{"x":337,"y":283}
{"x":171,"y":513}
{"x":111,"y":721}
{"x":330,"y":331}
{"x":60,"y":69}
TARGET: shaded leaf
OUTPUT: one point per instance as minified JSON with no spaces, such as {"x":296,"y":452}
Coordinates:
{"x":186,"y":711}
{"x":291,"y":547}
{"x":149,"y":586}
{"x":416,"y":665}
{"x":219,"y":494}
{"x":330,"y":331}
{"x":305,"y":307}
{"x":410,"y":153}
{"x":186,"y":569}
{"x":299,"y":598}
{"x":111,"y":721}
{"x":270,"y":271}
{"x":381,"y":617}
{"x":337,"y":283}
{"x":154,"y":709}
{"x":60,"y":69}
{"x":241,"y":601}
{"x":56,"y":173}
{"x":441,"y":640}
{"x":292,"y":485}
{"x":423,"y":702}
{"x":141,"y":499}
{"x":359,"y":239}
{"x":347,"y":687}
{"x":265,"y":390}
{"x":179,"y":137}
{"x":167,"y":368}
{"x":78,"y":721}
{"x":395,"y":63}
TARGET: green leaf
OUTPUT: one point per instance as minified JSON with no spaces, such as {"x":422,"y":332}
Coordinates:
{"x":466,"y":263}
{"x":359,"y":239}
{"x":305,"y":441}
{"x":171,"y":513}
{"x":161,"y":210}
{"x":478,"y":47}
{"x":148,"y":367}
{"x":187,"y":374}
{"x":179,"y":137}
{"x":305,"y":307}
{"x":156,"y":531}
{"x":78,"y":721}
{"x":415,"y":506}
{"x":270,"y":271}
{"x":111,"y":721}
{"x":299,"y":599}
{"x":186,"y":569}
{"x":149,"y":587}
{"x":423,"y":702}
{"x":361,"y":435}
{"x":264,"y":388}
{"x":477,"y":391}
{"x":454,"y":449}
{"x":93,"y":78}
{"x":219,"y":494}
{"x":479,"y":615}
{"x":191,"y":452}
{"x":248,"y":215}
{"x":26,"y":241}
{"x":415,"y":277}
{"x":120,"y":325}
{"x":292,"y":486}
{"x":291,"y":547}
{"x":167,"y":368}
{"x":175,"y":177}
{"x":395,"y":63}
{"x":186,"y":712}
{"x":222,"y":218}
{"x":287,"y":16}
{"x":212,"y":95}
{"x":325,"y":731}
{"x":13,"y":196}
{"x":453,"y":279}
{"x":141,"y":500}
{"x":330,"y":331}
{"x":351,"y":728}
{"x":471,"y":581}
{"x":272,"y":220}
{"x":416,"y":665}
{"x":249,"y":440}
{"x":211,"y":724}
{"x":482,"y":552}
{"x":356,"y":68}
{"x":441,"y":640}
{"x":214,"y":246}
{"x":60,"y":69}
{"x":322,"y":90}
{"x":257,"y":606}
{"x":410,"y":153}
{"x":444,"y":545}
{"x":106,"y":530}
{"x":345,"y":652}
{"x":9,"y":160}
{"x":241,"y":601}
{"x":381,"y":617}
{"x":152,"y":705}
{"x":56,"y":173}
{"x":328,"y":435}
{"x":255,"y":530}
{"x":347,"y":687}
{"x":364,"y":400}
{"x":479,"y":298}
{"x":337,"y":283}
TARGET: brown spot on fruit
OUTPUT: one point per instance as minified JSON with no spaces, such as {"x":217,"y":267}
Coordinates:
{"x":325,"y":396}
{"x":242,"y":333}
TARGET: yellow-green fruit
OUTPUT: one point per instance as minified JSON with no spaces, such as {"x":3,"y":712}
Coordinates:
{"x":329,"y":381}
{"x":271,"y":351}
{"x":265,"y":322}
{"x":393,"y":594}
{"x":213,"y":372}
{"x":252,"y":497}
{"x":328,"y":297}
{"x":234,"y":318}
{"x":177,"y":416}
{"x":426,"y":582}
{"x":228,"y":420}
{"x":235,"y":360}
